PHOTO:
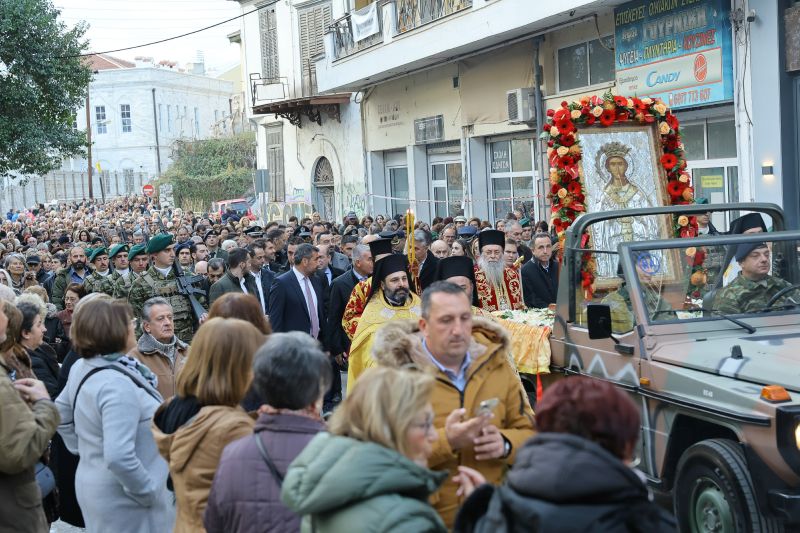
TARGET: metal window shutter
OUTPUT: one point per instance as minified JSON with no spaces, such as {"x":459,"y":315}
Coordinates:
{"x":269,"y":43}
{"x":312,"y":22}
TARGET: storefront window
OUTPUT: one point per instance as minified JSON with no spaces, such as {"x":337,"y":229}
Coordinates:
{"x":721,"y":139}
{"x":448,"y":189}
{"x":512,"y":175}
{"x":694,"y":143}
{"x":398,"y":184}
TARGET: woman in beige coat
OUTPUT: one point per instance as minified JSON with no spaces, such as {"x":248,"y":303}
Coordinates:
{"x":193,"y":428}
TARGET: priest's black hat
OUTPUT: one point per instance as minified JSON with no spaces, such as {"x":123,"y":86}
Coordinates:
{"x":491,"y":236}
{"x":380,"y":247}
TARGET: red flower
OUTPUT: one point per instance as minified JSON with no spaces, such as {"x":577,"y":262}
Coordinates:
{"x":621,"y":101}
{"x":649,"y":118}
{"x":566,"y":179}
{"x":622,"y":116}
{"x":585,"y":110}
{"x":699,"y":257}
{"x":640,"y":106}
{"x":566,"y":161}
{"x":550,"y":112}
{"x":607,"y":118}
{"x":567,"y":140}
{"x":561,"y":114}
{"x":554,"y":189}
{"x":574,"y":187}
{"x":590,"y":119}
{"x":687,"y":232}
{"x":564,"y":126}
{"x":668,"y":161}
{"x":586,"y":279}
{"x":672,"y":120}
{"x":675,"y":189}
{"x":580,"y":197}
{"x":550,"y":143}
{"x":564,"y":104}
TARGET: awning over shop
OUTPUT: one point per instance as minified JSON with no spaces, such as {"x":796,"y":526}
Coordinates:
{"x":311,"y":107}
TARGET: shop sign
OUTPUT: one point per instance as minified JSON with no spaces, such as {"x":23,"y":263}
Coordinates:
{"x":676,"y":50}
{"x":711,"y":182}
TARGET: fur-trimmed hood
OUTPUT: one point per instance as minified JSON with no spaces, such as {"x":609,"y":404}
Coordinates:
{"x":399,"y":342}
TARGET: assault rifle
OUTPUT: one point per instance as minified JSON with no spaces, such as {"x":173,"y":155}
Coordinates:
{"x":187,"y":288}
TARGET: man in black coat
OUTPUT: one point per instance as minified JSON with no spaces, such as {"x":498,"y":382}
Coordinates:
{"x":540,"y":275}
{"x":235,"y":278}
{"x":295,"y":299}
{"x":260,"y":274}
{"x":428,"y":261}
{"x":326,"y":271}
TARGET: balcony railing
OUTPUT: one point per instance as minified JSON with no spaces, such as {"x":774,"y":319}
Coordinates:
{"x":415,"y":13}
{"x":343,"y":42}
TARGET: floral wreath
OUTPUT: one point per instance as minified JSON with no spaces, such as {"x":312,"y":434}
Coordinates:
{"x":564,"y":154}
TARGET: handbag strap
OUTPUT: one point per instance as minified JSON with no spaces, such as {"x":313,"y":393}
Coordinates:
{"x":94,"y":371}
{"x":264,"y":455}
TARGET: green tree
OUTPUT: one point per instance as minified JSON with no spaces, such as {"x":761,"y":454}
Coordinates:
{"x":213,"y":169}
{"x":42,"y":82}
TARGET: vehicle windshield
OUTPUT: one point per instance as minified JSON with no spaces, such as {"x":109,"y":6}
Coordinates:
{"x":708,"y":281}
{"x":240,"y":208}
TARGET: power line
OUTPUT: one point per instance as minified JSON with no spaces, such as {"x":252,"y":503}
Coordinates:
{"x":87,"y":54}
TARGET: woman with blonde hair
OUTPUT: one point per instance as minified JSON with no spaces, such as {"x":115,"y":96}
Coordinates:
{"x":193,"y":428}
{"x":372,"y":466}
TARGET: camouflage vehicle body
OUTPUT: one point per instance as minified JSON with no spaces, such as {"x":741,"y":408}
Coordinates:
{"x":708,"y":438}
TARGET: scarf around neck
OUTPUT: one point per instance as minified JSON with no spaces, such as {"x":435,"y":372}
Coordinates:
{"x":129,"y":362}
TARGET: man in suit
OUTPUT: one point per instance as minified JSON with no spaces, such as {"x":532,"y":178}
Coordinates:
{"x":295,"y":299}
{"x":236,"y":279}
{"x":427,"y":261}
{"x":540,"y":275}
{"x":336,"y":341}
{"x":261,"y":275}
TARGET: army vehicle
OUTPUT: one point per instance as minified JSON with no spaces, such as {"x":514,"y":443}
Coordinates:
{"x":718,"y":386}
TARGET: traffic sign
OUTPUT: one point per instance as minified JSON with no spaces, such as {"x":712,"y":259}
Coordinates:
{"x":148,"y":190}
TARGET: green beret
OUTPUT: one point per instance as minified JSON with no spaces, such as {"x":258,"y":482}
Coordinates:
{"x":525,"y":223}
{"x":97,"y":252}
{"x":158,"y":243}
{"x":136,"y":249}
{"x":117,"y":248}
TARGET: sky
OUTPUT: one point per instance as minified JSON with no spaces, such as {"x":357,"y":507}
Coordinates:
{"x":121,"y":23}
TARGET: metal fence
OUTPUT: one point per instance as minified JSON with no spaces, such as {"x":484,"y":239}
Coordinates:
{"x":18,"y":193}
{"x":343,"y":43}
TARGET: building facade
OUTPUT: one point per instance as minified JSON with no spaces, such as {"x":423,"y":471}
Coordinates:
{"x":136,"y":112}
{"x":309,"y":144}
{"x":453,"y":92}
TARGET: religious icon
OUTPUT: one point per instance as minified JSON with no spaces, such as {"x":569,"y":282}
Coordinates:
{"x":621,"y":171}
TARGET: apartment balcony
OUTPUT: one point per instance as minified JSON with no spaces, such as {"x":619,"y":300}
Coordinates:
{"x":278,"y":97}
{"x":394,"y":37}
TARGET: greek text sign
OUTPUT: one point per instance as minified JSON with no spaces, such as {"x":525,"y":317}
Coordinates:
{"x":676,"y":50}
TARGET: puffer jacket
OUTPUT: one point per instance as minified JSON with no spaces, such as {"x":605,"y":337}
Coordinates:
{"x":491,"y":374}
{"x":193,"y":451}
{"x":24,"y":434}
{"x":345,"y":485}
{"x":566,"y":484}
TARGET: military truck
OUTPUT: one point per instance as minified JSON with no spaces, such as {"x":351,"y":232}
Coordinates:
{"x":719,"y":392}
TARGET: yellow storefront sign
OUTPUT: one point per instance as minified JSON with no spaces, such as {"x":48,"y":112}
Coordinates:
{"x":711,"y":182}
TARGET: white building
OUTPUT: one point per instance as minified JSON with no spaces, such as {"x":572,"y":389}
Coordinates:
{"x":310,"y":144}
{"x":433,"y":78}
{"x":138,"y":110}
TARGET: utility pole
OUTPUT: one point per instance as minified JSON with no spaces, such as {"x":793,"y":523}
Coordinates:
{"x":158,"y":144}
{"x":89,"y":143}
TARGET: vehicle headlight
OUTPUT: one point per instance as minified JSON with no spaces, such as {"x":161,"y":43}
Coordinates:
{"x":797,"y":435}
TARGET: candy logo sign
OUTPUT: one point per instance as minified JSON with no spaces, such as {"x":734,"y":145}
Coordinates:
{"x":679,"y":51}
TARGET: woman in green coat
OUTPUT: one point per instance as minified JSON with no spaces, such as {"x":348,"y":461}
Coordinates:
{"x":370,"y":474}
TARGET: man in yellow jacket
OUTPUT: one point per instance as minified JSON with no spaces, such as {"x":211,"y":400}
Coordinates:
{"x":469,"y":357}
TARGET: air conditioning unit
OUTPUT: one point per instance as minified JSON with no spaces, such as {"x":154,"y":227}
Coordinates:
{"x":521,"y":108}
{"x":429,"y":129}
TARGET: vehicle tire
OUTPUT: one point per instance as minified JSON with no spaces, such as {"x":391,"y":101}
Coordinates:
{"x":714,"y":492}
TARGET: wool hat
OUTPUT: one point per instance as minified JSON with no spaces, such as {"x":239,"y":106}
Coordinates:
{"x":744,"y":249}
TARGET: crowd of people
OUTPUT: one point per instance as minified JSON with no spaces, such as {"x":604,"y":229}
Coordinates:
{"x":170,"y":370}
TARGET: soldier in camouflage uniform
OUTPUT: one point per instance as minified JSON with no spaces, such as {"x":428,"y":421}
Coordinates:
{"x":118,"y":254}
{"x":751,"y":290}
{"x":138,"y":262}
{"x":98,"y":257}
{"x":160,"y":280}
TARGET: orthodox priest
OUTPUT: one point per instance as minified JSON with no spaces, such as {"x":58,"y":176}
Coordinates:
{"x":499,"y":287}
{"x":379,"y":248}
{"x":459,"y":270}
{"x":390,"y":298}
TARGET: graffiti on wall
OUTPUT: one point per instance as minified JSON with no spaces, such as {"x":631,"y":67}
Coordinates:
{"x":281,"y":211}
{"x":353,"y":199}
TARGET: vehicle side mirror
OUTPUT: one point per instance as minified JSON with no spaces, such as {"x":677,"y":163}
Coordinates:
{"x":599,"y":319}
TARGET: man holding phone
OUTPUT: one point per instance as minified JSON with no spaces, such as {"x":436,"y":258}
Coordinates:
{"x":482,"y":411}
